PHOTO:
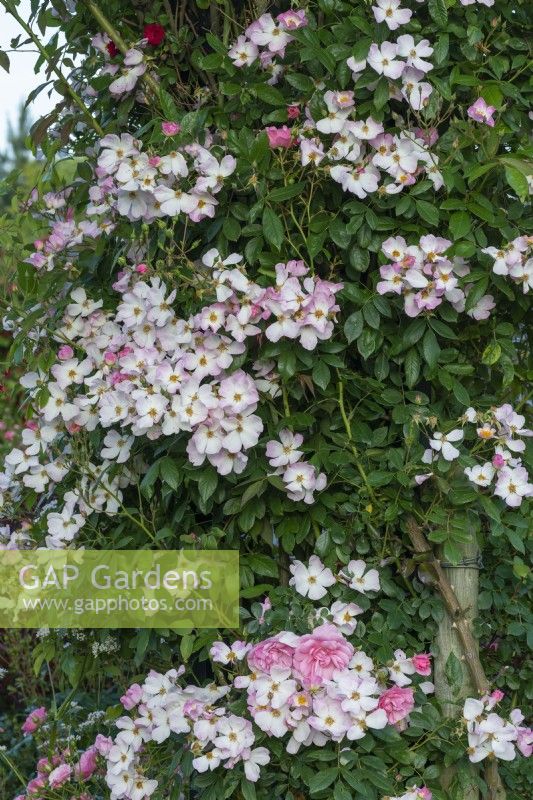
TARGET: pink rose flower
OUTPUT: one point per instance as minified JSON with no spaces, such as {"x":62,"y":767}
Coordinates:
{"x":422,"y":663}
{"x":292,"y":20}
{"x":293,"y":112}
{"x":170,"y":128}
{"x":270,"y":654}
{"x":103,"y":744}
{"x":34,"y":720}
{"x":279,"y":137}
{"x":321,"y":653}
{"x":425,"y":793}
{"x":397,"y":703}
{"x":481,"y":112}
{"x":498,"y":461}
{"x":131,"y":697}
{"x":35,"y":785}
{"x":65,"y":352}
{"x":142,"y":269}
{"x":59,"y":775}
{"x":87,"y":764}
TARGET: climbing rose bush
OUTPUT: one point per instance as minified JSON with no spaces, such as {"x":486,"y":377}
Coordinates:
{"x":278,"y":302}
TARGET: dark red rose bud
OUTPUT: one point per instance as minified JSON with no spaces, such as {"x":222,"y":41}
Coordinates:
{"x":111,"y":49}
{"x":155,"y":33}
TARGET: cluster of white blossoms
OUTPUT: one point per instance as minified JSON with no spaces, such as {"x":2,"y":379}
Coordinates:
{"x":265,"y":39}
{"x":489,"y":735}
{"x":505,"y":430}
{"x":141,"y":371}
{"x":145,"y":187}
{"x":404,"y":59}
{"x":360,"y":155}
{"x":310,"y":690}
{"x":425,"y":277}
{"x":161,"y":708}
{"x":300,"y":478}
{"x":514,"y":260}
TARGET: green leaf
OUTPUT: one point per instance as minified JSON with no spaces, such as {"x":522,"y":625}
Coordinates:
{"x":169,"y":472}
{"x":412,"y":367}
{"x":207,"y":484}
{"x":438,"y":12}
{"x":381,"y":93}
{"x":321,"y":374}
{"x":272,"y":227}
{"x":341,"y":792}
{"x":491,"y":354}
{"x":269,"y":94}
{"x":460,"y":393}
{"x":321,"y":780}
{"x":459,"y":224}
{"x":353,"y":327}
{"x":186,"y":646}
{"x":427,"y":211}
{"x":248,"y":790}
{"x":168,"y":106}
{"x":261,"y":564}
{"x":366,"y":343}
{"x":518,"y":182}
{"x":430,"y":348}
{"x":285,"y":192}
{"x":4,"y":60}
{"x":442,"y":329}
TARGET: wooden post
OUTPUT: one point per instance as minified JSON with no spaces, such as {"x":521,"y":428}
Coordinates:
{"x":464,"y":582}
{"x":455,"y":635}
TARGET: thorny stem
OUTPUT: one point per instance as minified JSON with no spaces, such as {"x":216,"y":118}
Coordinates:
{"x":55,"y":69}
{"x":353,"y":448}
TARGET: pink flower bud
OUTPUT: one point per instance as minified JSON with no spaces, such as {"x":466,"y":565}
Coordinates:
{"x":73,"y":427}
{"x":279,"y":137}
{"x":110,"y":358}
{"x":293,"y":112}
{"x":142,"y":269}
{"x":34,"y":720}
{"x":65,"y":352}
{"x":498,"y":461}
{"x":154,"y":161}
{"x":170,"y":128}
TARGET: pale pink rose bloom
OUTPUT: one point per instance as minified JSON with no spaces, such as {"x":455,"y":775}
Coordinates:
{"x":103,"y":744}
{"x":422,"y":663}
{"x":131,"y":697}
{"x":321,"y":653}
{"x":270,"y":654}
{"x":397,"y":703}
{"x":59,"y":775}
